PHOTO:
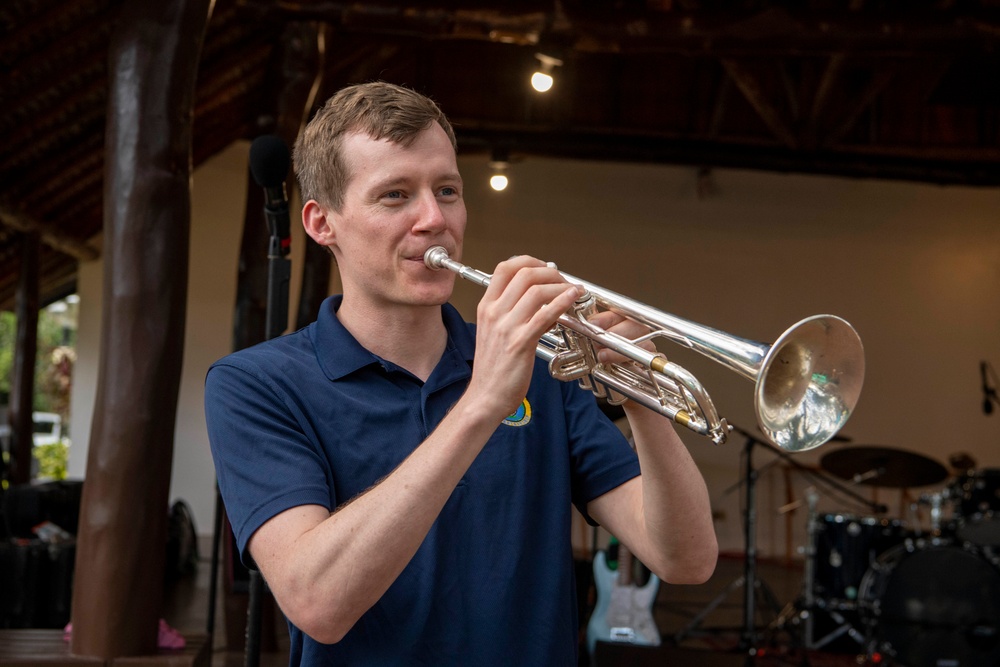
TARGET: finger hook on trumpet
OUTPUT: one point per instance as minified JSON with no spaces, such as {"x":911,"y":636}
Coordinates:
{"x":807,"y":383}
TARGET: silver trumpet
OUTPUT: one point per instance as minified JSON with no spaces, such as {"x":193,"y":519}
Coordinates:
{"x":807,"y":382}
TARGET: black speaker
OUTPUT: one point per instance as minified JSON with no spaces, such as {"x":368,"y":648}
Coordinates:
{"x":36,"y":583}
{"x":24,"y":506}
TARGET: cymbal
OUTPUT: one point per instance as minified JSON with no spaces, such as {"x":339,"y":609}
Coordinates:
{"x":883,"y":466}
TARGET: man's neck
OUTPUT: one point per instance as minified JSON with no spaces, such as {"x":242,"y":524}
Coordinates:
{"x":412,"y":337}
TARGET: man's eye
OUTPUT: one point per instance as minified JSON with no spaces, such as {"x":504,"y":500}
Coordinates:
{"x":395,"y":194}
{"x":449,"y":191}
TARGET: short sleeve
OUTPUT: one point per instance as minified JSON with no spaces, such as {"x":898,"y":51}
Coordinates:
{"x":266,"y":458}
{"x":600,"y":456}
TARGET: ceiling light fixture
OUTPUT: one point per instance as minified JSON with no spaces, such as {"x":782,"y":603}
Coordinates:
{"x":542,"y":79}
{"x":499,"y":162}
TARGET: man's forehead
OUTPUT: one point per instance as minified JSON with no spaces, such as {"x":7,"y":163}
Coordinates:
{"x":359,"y":146}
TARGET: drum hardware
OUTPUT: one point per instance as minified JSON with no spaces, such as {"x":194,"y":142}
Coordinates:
{"x":939,"y":527}
{"x":978,"y":516}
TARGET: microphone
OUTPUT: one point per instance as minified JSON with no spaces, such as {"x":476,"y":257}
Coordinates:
{"x":989,"y":393}
{"x":269,"y":163}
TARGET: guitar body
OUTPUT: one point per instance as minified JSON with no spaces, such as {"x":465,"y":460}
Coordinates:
{"x":624,"y":611}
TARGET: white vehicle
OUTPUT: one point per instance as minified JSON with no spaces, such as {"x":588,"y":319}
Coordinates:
{"x":47,"y":428}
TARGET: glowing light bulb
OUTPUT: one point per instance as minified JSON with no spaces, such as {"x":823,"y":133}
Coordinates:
{"x":498,"y":182}
{"x":541,"y":81}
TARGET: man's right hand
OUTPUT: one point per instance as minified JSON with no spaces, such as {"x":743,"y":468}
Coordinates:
{"x":523,"y":301}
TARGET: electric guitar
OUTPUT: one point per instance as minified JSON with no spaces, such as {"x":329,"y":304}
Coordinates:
{"x":624,"y":610}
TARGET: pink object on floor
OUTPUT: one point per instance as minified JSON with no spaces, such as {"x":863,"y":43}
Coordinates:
{"x":167,"y":637}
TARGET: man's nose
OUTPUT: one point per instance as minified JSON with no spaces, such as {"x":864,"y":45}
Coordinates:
{"x":429,"y":214}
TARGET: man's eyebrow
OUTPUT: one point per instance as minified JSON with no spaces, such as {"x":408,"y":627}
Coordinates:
{"x":388,"y":182}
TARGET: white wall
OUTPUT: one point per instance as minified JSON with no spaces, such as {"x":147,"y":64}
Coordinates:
{"x":916,"y":269}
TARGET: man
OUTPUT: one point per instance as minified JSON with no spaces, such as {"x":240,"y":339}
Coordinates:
{"x":402,"y":479}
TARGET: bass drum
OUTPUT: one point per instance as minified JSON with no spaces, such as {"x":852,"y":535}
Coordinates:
{"x":931,"y":605}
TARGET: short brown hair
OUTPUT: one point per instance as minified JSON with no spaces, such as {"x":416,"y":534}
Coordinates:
{"x":378,"y":109}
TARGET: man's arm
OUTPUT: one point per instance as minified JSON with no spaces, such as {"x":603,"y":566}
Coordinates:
{"x":326,"y":570}
{"x":664,"y":516}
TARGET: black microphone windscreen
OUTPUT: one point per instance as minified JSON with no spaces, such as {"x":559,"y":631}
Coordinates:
{"x":269,"y":160}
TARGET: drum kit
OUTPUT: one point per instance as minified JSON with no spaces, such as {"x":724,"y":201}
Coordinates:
{"x":902,"y":593}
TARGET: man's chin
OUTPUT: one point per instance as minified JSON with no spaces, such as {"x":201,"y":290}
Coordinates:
{"x":434,"y":300}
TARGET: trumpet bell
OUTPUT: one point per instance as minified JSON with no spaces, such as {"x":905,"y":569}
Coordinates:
{"x":809,"y":382}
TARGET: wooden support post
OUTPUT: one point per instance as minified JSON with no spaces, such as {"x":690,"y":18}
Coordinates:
{"x":25,"y":349}
{"x":118,"y":584}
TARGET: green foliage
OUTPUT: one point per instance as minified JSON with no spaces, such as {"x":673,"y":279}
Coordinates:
{"x":8,"y":333}
{"x":53,"y":361}
{"x":52,"y":460}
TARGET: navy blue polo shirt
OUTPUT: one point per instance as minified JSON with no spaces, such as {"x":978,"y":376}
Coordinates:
{"x":315,"y":418}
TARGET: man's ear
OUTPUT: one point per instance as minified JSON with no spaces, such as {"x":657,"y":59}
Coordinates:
{"x":317,"y":223}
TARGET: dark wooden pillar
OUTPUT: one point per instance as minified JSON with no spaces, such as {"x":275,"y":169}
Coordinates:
{"x":118,"y":586}
{"x":22,"y":386}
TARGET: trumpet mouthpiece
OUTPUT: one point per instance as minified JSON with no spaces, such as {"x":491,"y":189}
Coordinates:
{"x":435,"y":256}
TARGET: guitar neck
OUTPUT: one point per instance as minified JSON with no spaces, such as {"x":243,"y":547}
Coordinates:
{"x":624,"y":565}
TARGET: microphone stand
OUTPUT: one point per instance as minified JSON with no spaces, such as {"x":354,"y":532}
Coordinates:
{"x":278,"y":275}
{"x":748,"y":638}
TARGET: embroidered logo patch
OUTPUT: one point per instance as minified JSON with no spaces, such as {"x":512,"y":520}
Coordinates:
{"x":521,"y":416}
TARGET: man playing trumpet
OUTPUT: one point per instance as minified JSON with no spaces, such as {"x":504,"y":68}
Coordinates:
{"x":402,"y":479}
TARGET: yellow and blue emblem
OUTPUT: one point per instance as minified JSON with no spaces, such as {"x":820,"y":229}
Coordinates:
{"x":521,"y":416}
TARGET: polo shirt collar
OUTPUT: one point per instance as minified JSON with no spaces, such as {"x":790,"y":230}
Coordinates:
{"x":340,"y":354}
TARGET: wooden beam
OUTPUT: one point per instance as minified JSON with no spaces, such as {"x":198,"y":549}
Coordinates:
{"x":50,"y":235}
{"x":965,"y":166}
{"x":881,"y":78}
{"x":824,"y":92}
{"x":602,"y":27}
{"x":720,"y":106}
{"x":753,"y":90}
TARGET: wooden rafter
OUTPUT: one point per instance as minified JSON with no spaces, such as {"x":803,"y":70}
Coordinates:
{"x":753,"y":90}
{"x":50,"y":235}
